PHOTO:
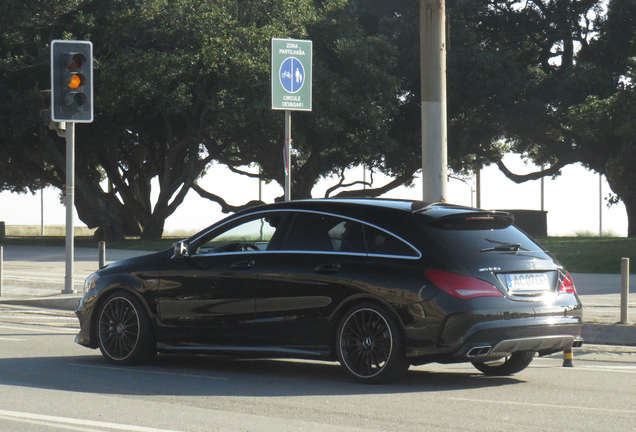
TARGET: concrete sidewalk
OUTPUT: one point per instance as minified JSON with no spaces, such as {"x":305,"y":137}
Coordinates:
{"x":34,"y":276}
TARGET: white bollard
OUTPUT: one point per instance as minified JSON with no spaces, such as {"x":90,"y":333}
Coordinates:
{"x":102,"y":254}
{"x":624,"y":290}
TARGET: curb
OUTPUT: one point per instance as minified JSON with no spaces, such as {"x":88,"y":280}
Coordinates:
{"x":609,"y":334}
{"x":67,"y":302}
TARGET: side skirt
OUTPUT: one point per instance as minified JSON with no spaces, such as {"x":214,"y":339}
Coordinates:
{"x":248,"y":352}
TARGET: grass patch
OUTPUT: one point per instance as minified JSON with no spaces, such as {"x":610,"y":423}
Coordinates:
{"x":49,"y":230}
{"x":89,"y":242}
{"x":29,"y":235}
{"x":592,"y":254}
{"x":588,"y":233}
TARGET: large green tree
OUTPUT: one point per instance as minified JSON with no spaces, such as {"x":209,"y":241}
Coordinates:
{"x":551,"y":80}
{"x":179,"y":84}
{"x":163,"y":70}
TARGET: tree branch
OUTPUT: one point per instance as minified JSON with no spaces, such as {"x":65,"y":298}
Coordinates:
{"x":341,"y":185}
{"x":225,"y":207}
{"x":376,"y":192}
{"x":520,"y":178}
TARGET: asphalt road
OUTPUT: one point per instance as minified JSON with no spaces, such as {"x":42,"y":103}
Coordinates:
{"x":49,"y":383}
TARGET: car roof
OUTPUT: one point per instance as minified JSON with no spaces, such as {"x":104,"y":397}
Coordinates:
{"x":391,"y":214}
{"x":399,"y":204}
{"x":431,"y":210}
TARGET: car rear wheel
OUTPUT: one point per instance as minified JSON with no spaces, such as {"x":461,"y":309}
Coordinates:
{"x":511,"y":364}
{"x":370,"y":346}
{"x":125,"y":335}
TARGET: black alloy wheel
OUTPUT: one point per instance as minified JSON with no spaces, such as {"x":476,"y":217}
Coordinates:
{"x":370,"y":346}
{"x":124,"y":332}
{"x":511,"y":364}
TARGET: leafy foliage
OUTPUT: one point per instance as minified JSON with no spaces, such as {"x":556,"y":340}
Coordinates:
{"x":179,"y":84}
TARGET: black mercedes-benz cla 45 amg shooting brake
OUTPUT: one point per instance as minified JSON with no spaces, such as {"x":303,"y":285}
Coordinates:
{"x":377,"y":285}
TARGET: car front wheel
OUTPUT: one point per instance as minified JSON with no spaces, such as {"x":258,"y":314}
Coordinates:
{"x":125,"y":335}
{"x":511,"y":364}
{"x":370,"y":346}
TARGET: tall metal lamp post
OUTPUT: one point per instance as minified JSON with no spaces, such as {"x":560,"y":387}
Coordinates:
{"x":433,"y":76}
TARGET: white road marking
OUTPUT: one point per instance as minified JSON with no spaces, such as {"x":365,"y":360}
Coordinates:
{"x":73,"y":422}
{"x":39,"y":317}
{"x":12,"y":339}
{"x":52,"y":278}
{"x":615,"y":369}
{"x":122,"y":368}
{"x":496,"y":402}
{"x":595,"y":368}
{"x":50,"y":425}
{"x":41,"y":330}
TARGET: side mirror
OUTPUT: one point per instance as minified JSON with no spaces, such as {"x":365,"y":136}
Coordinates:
{"x":181,"y":249}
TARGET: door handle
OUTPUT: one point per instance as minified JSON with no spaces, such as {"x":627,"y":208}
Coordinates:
{"x":328,"y":268}
{"x":243,"y":265}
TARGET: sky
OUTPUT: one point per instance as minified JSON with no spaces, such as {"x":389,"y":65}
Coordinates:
{"x":571,"y":200}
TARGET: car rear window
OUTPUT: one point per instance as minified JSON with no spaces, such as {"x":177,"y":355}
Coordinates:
{"x":382,"y":243}
{"x":471,"y":237}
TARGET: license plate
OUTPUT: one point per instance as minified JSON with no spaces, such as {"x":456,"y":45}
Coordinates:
{"x":528,"y":282}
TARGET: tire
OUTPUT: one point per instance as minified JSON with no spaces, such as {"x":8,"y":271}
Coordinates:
{"x":516,"y":362}
{"x":370,"y":346}
{"x":124,"y":332}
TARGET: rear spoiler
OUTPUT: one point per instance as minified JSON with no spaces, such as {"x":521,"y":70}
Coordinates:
{"x":469,"y":220}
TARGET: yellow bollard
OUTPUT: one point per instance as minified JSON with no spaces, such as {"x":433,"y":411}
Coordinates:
{"x":568,"y":356}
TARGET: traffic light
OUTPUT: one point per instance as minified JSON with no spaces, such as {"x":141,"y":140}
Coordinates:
{"x":72,"y":81}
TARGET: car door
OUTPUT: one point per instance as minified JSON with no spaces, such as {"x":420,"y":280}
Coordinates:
{"x":207,"y":297}
{"x":306,"y":278}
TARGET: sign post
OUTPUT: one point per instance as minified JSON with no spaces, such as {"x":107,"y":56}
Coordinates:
{"x":287,"y":155}
{"x":291,"y":88}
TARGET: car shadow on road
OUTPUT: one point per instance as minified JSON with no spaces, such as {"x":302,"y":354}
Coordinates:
{"x":172,"y":375}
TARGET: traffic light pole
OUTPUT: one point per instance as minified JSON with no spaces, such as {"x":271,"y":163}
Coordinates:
{"x":71,"y":102}
{"x":69,"y":280}
{"x":287,"y":150}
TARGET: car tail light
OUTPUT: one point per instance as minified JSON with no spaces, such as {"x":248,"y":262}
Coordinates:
{"x":460,"y":286}
{"x":567,"y":286}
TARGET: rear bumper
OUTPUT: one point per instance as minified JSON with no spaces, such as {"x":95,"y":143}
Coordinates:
{"x":542,"y":345}
{"x":497,"y":338}
{"x":542,"y":335}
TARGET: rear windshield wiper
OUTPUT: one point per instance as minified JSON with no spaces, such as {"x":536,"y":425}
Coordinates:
{"x":507,"y":247}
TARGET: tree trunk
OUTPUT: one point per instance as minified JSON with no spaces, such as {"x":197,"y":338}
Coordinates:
{"x":630,"y":208}
{"x":624,"y":189}
{"x":106,"y":213}
{"x":154,"y":229}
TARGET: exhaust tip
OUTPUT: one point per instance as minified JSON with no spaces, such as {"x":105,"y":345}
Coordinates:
{"x":479,"y":351}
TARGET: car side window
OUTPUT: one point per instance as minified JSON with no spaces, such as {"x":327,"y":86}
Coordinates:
{"x":353,"y":240}
{"x":382,"y":243}
{"x":323,"y":233}
{"x":253,"y":234}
